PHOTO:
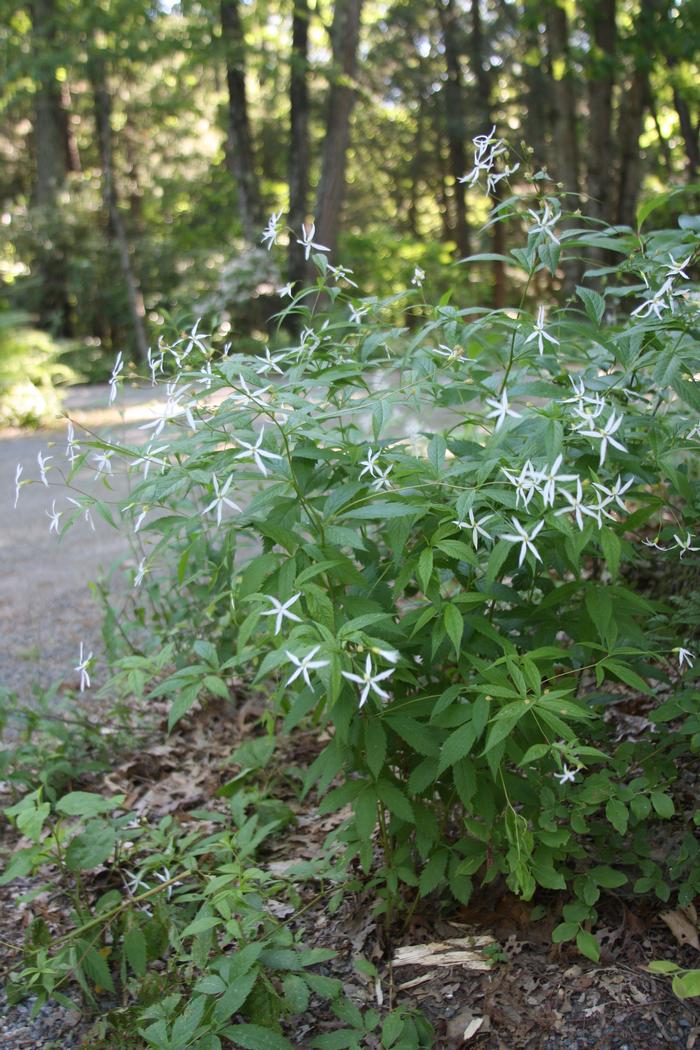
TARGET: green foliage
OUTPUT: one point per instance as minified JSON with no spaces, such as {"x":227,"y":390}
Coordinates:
{"x":431,"y":544}
{"x":30,"y":371}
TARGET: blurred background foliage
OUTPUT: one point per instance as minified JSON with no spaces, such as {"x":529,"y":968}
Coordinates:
{"x":142,"y":145}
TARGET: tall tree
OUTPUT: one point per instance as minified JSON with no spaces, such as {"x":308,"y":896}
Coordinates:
{"x":601,"y":20}
{"x":115,"y":223}
{"x":239,"y":154}
{"x":564,"y":158}
{"x":53,"y":161}
{"x":455,"y":124}
{"x":481,"y":71}
{"x":299,"y":154}
{"x":643,"y":48}
{"x":345,"y":34}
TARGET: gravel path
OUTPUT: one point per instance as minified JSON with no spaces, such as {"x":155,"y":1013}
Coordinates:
{"x":46,"y":606}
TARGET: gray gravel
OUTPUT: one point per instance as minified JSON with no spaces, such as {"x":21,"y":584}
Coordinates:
{"x":46,"y":606}
{"x":53,"y":1028}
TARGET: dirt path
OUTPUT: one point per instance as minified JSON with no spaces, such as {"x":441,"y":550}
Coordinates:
{"x":46,"y":605}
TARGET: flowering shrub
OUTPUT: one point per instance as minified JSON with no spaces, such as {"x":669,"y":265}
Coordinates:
{"x":434,"y":543}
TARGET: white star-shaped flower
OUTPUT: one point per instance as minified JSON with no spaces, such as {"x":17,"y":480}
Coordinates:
{"x":685,"y":544}
{"x":540,"y":334}
{"x":526,"y":483}
{"x":477,"y":527}
{"x":114,"y":378}
{"x":87,"y":512}
{"x":677,"y":269}
{"x":684,"y":655}
{"x":248,"y":396}
{"x":256,"y":452}
{"x":42,"y":460}
{"x":55,"y":516}
{"x":103,"y":462}
{"x":287,"y":290}
{"x":524,"y":538}
{"x":72,"y":446}
{"x":369,"y":681}
{"x":551,"y":477}
{"x":454,"y":353}
{"x":82,"y":668}
{"x":307,"y":240}
{"x":357,"y":313}
{"x":18,"y":484}
{"x":614,"y":494}
{"x":544,"y":222}
{"x":269,"y":363}
{"x":370,"y":463}
{"x":341,"y":274}
{"x":382,"y":479}
{"x":418,"y":277}
{"x":577,"y":507}
{"x":272,"y":230}
{"x":605,"y":435}
{"x":501,"y":410}
{"x":220,"y":498}
{"x":141,"y":570}
{"x":566,"y":776}
{"x":281,"y":611}
{"x":306,"y":664}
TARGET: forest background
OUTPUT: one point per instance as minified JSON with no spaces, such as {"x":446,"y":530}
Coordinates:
{"x":142,"y":146}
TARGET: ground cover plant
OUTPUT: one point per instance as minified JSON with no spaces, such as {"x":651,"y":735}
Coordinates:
{"x":430,"y":540}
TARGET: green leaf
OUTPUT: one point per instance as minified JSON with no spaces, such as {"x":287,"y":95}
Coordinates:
{"x":235,"y":995}
{"x":588,"y":945}
{"x":611,"y":547}
{"x":504,"y":723}
{"x":95,"y":966}
{"x":135,"y":950}
{"x":534,"y":753}
{"x":433,"y":872}
{"x":365,"y":809}
{"x":687,"y":985}
{"x":593,"y":302}
{"x":375,"y":746}
{"x":618,"y":815}
{"x":392,"y":1028}
{"x":458,"y":745}
{"x":663,"y":804}
{"x":296,"y":993}
{"x":565,"y":931}
{"x":395,"y":800}
{"x":607,"y":877}
{"x":201,"y":925}
{"x":254,"y":1037}
{"x":425,"y":567}
{"x":91,"y":848}
{"x":87,"y":804}
{"x":454,"y":625}
{"x":626,"y":675}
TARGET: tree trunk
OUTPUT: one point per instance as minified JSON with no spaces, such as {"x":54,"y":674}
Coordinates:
{"x":298,"y":138}
{"x":648,"y":32}
{"x":52,"y":165}
{"x":536,"y":86}
{"x":482,"y":75}
{"x":689,"y":133}
{"x":454,"y":122}
{"x":564,"y":141}
{"x":115,"y":224}
{"x":331,"y":188}
{"x":600,"y":176}
{"x":240,"y":157}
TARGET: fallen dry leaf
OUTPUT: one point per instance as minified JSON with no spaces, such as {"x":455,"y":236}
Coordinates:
{"x":459,"y":951}
{"x":682,"y":926}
